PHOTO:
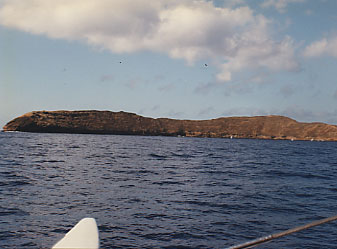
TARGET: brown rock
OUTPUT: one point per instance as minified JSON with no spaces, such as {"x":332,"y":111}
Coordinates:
{"x":106,"y":122}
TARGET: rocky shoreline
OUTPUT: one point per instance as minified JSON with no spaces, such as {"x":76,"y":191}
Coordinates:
{"x":123,"y":123}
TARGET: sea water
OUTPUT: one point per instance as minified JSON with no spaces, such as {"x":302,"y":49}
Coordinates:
{"x":165,"y":192}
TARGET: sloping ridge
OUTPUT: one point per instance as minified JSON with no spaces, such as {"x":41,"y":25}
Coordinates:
{"x":123,"y":123}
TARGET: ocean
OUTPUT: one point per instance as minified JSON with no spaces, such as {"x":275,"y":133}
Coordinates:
{"x":165,"y":192}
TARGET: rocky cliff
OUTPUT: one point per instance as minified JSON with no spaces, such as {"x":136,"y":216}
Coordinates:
{"x":106,"y":122}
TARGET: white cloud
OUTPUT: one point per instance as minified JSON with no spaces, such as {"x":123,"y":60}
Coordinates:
{"x":261,"y":53}
{"x":279,"y":5}
{"x":322,"y":47}
{"x":233,"y":38}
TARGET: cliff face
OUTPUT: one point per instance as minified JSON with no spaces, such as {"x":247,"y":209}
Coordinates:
{"x":106,"y":122}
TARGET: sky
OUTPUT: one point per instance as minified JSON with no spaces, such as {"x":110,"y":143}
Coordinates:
{"x":182,"y":59}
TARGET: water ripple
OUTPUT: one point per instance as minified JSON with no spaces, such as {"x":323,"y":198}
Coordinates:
{"x":164,"y":192}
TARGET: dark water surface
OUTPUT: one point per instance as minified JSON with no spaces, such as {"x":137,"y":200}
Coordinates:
{"x":165,"y":192}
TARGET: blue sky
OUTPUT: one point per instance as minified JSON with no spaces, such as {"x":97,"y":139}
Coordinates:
{"x":267,"y":57}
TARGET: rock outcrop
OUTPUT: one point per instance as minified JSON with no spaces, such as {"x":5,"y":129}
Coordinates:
{"x":106,"y":122}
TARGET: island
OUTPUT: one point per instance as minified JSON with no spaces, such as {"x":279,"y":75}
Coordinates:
{"x":124,"y":123}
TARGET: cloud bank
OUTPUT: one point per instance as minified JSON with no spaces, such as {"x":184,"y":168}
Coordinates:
{"x":233,"y":39}
{"x":323,"y":47}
